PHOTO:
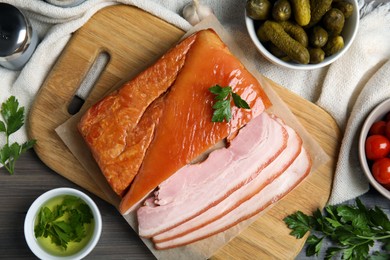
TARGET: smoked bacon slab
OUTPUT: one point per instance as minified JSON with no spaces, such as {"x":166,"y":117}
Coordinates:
{"x":138,"y":143}
{"x":110,"y":125}
{"x":185,"y":129}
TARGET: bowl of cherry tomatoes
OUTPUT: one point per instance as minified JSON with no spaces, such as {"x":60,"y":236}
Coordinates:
{"x":374,"y":148}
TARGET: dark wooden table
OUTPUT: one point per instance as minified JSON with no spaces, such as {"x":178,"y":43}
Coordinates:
{"x":31,"y":179}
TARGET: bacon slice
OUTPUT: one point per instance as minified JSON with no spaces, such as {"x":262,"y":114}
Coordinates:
{"x":267,"y":175}
{"x":267,"y":196}
{"x":196,"y":188}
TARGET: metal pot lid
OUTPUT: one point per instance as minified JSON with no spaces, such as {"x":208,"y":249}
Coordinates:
{"x":13,"y":30}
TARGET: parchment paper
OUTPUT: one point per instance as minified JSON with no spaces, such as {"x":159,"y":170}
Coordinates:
{"x":205,"y":248}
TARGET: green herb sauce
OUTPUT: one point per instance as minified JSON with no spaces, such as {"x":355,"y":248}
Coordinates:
{"x":46,"y":241}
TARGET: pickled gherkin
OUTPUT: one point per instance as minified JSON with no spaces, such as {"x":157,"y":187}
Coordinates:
{"x":318,"y":37}
{"x":318,"y":8}
{"x":316,"y":55}
{"x":301,"y":11}
{"x":334,"y":45}
{"x":275,"y":50}
{"x":261,"y":34}
{"x":295,"y":31}
{"x":333,"y":21}
{"x":258,"y":9}
{"x":281,"y":39}
{"x":281,"y":10}
{"x":345,"y":7}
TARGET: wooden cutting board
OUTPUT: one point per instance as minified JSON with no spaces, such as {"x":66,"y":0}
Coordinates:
{"x":133,"y":39}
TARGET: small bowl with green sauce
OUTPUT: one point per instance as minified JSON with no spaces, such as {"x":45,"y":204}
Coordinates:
{"x":62,"y":223}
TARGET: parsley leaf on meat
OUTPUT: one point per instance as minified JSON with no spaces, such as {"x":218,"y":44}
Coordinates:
{"x":222,"y":109}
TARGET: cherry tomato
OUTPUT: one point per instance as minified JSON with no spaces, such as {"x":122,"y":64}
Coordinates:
{"x":381,"y":171}
{"x":377,"y":147}
{"x":378,"y":128}
{"x":387,"y":130}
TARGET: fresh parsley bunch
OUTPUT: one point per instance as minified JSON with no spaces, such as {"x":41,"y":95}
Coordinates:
{"x":65,"y":223}
{"x":13,"y":120}
{"x":222,"y":109}
{"x":353,"y":229}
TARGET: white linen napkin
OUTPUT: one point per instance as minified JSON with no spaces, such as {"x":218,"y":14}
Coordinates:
{"x":339,"y":88}
{"x":360,"y":81}
{"x":349,"y":181}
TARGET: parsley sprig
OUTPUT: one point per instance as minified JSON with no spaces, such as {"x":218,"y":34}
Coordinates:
{"x":13,"y":120}
{"x":222,"y":109}
{"x":65,"y":223}
{"x":352,"y":228}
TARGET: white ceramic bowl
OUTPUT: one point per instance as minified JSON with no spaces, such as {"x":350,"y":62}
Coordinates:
{"x":379,"y":112}
{"x":29,"y":224}
{"x":349,"y":32}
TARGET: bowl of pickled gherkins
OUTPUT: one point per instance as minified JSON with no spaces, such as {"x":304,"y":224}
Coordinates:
{"x":302,"y":34}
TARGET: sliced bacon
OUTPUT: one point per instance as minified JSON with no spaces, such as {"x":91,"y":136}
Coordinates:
{"x":267,"y":196}
{"x":195,"y":188}
{"x":267,"y":175}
